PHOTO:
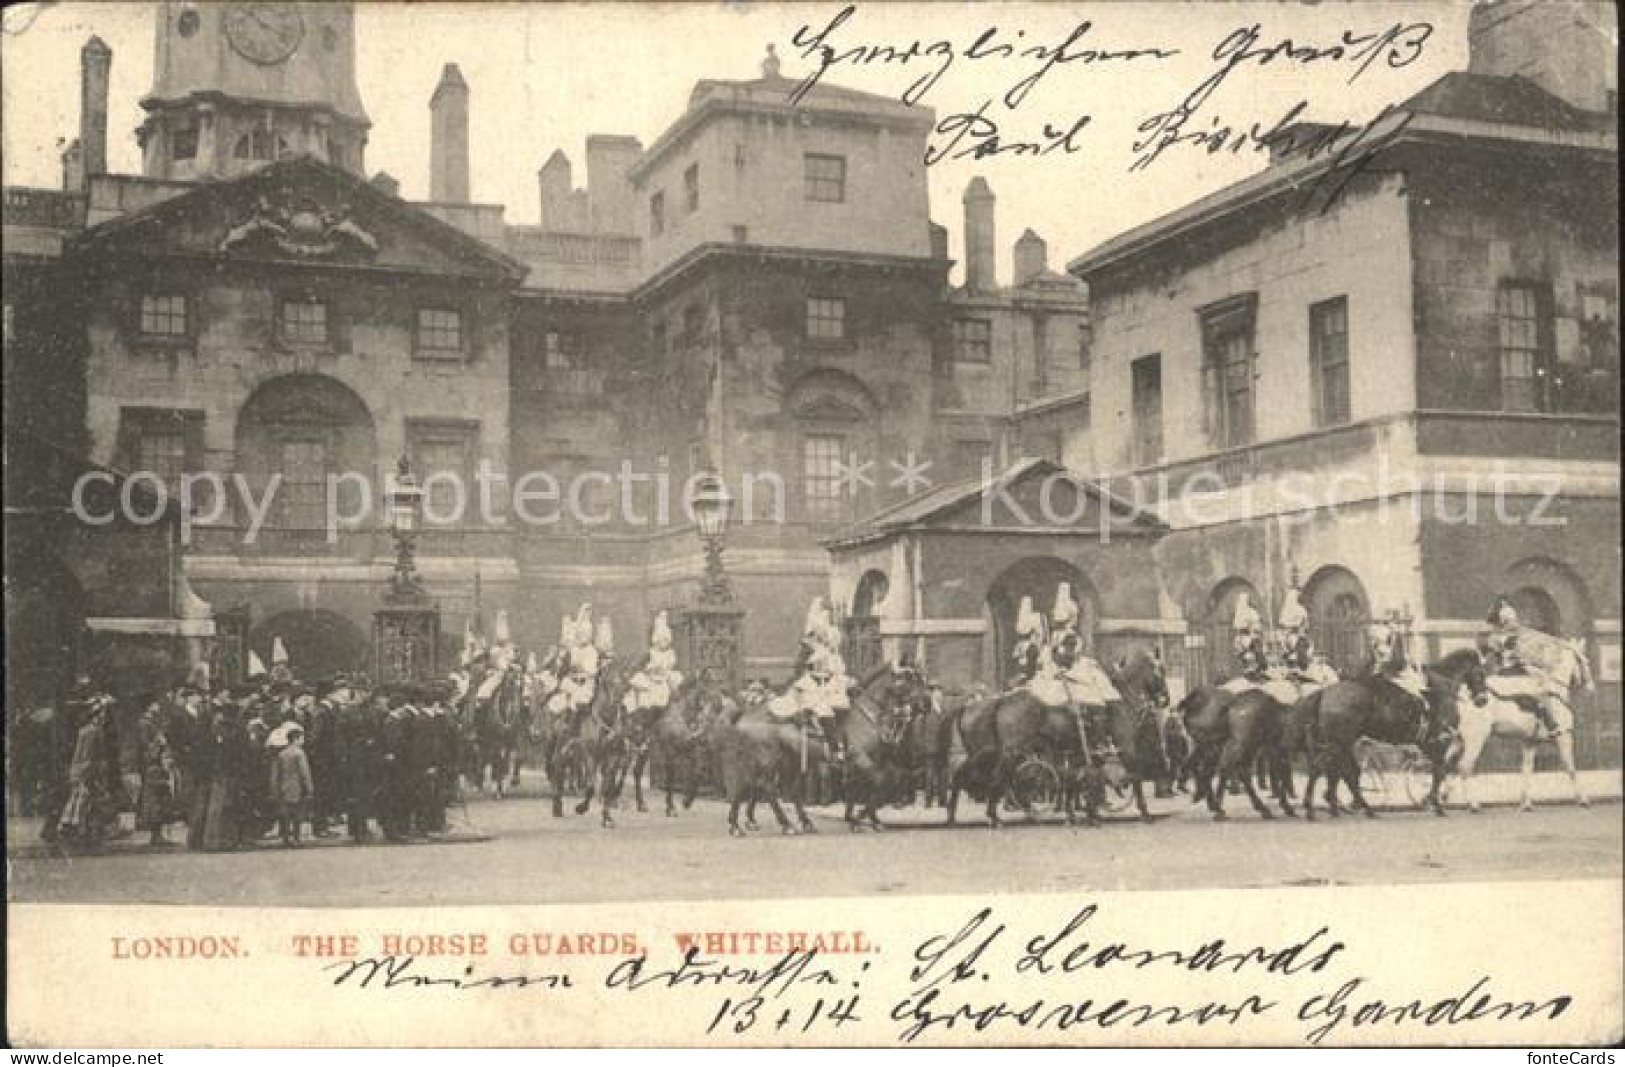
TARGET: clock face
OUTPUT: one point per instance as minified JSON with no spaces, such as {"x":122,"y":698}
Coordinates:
{"x":264,"y":32}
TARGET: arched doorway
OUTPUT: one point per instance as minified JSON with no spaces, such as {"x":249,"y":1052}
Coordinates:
{"x":863,"y":645}
{"x":1038,"y":577}
{"x":305,"y":428}
{"x":1338,"y":613}
{"x":320,"y":643}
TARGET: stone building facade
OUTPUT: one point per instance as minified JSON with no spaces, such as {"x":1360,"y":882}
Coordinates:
{"x":1404,"y":396}
{"x":760,"y":291}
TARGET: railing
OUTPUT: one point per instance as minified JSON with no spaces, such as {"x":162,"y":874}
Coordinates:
{"x":367,"y":544}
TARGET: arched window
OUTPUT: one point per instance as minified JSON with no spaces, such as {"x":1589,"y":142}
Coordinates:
{"x":1213,"y":660}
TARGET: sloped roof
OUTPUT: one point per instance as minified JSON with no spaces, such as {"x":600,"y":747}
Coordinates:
{"x":1512,"y":101}
{"x":935,"y":504}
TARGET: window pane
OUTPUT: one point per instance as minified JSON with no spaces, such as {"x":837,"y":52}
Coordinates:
{"x":1147,"y":387}
{"x":1519,"y":332}
{"x":822,"y":461}
{"x":303,"y":493}
{"x":162,"y":452}
{"x":304,"y":322}
{"x":826,"y":318}
{"x":825,"y":178}
{"x":440,"y":329}
{"x":1329,"y":360}
{"x":163,"y":315}
{"x":973,"y":340}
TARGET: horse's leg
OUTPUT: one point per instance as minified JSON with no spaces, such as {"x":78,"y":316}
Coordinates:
{"x":733,"y":818}
{"x":950,"y":803}
{"x":1139,"y":799}
{"x":584,"y":805}
{"x":1472,"y":747}
{"x":640,"y":765}
{"x":1565,"y":752}
{"x":1528,"y":776}
{"x":778,"y":813}
{"x":850,"y":816}
{"x":750,"y":813}
{"x":1281,"y":775}
{"x":1351,"y":776}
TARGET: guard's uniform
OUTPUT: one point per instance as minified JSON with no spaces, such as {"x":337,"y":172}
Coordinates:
{"x":653,"y":684}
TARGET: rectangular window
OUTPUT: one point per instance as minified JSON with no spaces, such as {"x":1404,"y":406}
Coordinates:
{"x":304,"y":322}
{"x":973,"y":341}
{"x":657,"y":214}
{"x":1227,"y":346}
{"x":162,"y":451}
{"x":1520,"y":337}
{"x":826,"y":318}
{"x":440,"y":331}
{"x":163,"y":315}
{"x":562,"y":351}
{"x":691,"y":188}
{"x":823,"y":457}
{"x":302,"y":495}
{"x":1329,"y":360}
{"x":183,"y":143}
{"x":825,"y":178}
{"x":443,"y":458}
{"x":1146,"y":373}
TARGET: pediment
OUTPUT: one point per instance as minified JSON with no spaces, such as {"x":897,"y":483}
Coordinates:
{"x":306,"y":212}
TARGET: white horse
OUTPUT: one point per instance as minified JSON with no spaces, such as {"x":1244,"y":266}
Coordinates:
{"x":1512,"y":715}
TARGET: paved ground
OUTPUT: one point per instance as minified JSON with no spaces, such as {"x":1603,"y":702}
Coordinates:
{"x":527,"y":856}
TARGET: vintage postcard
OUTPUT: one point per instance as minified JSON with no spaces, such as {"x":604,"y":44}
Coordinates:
{"x":771,"y":524}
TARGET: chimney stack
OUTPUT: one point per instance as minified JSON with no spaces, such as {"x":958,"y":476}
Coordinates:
{"x":554,"y":183}
{"x":1032,"y":258}
{"x":1568,"y":49}
{"x":610,"y":159}
{"x":95,"y":69}
{"x":448,"y":138}
{"x":981,"y":271}
{"x":73,"y":168}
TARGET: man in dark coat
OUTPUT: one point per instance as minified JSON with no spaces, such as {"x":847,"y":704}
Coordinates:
{"x":321,"y":745}
{"x":397,"y":757}
{"x":356,"y":735}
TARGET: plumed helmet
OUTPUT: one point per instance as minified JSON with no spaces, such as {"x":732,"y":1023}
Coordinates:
{"x":1027,"y":621}
{"x":279,"y":652}
{"x":567,"y":631}
{"x":605,"y":640}
{"x":817,"y":618}
{"x":1066,"y":608}
{"x":501,"y":634}
{"x":660,"y":636}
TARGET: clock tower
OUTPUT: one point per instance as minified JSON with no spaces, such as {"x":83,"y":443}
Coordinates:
{"x":236,"y":85}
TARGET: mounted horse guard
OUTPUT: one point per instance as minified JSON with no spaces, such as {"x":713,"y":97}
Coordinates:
{"x":1067,"y":675}
{"x":1523,"y":663}
{"x":1284,"y":664}
{"x":580,"y":684}
{"x":653,"y":684}
{"x":1032,"y":637}
{"x":819,"y":691}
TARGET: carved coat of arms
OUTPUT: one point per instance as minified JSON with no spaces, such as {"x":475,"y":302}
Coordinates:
{"x":301,"y":228}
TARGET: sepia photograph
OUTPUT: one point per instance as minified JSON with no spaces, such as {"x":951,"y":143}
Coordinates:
{"x":757,"y":523}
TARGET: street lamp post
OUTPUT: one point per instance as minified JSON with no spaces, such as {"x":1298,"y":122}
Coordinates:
{"x":711,"y":628}
{"x":406,"y":628}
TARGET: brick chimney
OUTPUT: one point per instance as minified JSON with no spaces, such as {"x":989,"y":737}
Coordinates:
{"x":610,"y":158}
{"x":448,"y":138}
{"x":73,"y":167}
{"x":95,"y":69}
{"x":1032,"y":257}
{"x":981,"y":268}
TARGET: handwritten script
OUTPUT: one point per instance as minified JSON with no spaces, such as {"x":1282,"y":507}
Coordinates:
{"x":989,"y":975}
{"x":1007,"y":122}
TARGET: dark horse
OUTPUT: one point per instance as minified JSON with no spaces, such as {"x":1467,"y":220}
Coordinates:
{"x":883,"y":747}
{"x":673,"y":738}
{"x":1373,"y":706}
{"x":1232,"y":733}
{"x":591,"y":747}
{"x":1008,"y":739}
{"x":500,"y":722}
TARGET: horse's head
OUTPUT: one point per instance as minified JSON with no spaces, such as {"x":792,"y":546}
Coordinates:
{"x":1143,"y":677}
{"x":899,"y":691}
{"x":1461,"y":669}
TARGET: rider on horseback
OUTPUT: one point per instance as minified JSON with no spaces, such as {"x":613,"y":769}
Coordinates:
{"x":1514,"y":674}
{"x":1031,"y":640}
{"x":1247,"y":626}
{"x":1082,"y":684}
{"x":654,"y":683}
{"x":580,"y":683}
{"x":819,"y":690}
